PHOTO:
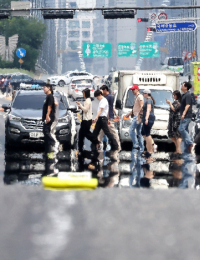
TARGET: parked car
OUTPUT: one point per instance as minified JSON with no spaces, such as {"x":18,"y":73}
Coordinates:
{"x":66,"y":78}
{"x":79,"y":86}
{"x":23,"y":124}
{"x":17,"y":79}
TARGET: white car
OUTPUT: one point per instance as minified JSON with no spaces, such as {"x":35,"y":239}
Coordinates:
{"x":80,"y":86}
{"x":66,"y":78}
{"x":78,"y":80}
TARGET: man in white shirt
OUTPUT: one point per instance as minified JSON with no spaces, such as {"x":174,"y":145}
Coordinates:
{"x":101,"y":119}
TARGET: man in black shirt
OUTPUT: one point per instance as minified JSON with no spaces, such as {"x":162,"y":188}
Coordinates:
{"x":186,"y":116}
{"x":48,"y":117}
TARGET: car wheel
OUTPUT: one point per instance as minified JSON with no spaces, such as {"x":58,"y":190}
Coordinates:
{"x":61,"y":83}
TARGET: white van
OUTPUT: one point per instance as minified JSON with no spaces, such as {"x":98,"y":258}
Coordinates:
{"x":159,"y":130}
{"x":162,"y":86}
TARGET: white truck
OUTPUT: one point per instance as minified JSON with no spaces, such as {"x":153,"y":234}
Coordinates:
{"x":162,"y":84}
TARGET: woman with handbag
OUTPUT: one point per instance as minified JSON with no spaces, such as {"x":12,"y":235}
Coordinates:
{"x":86,"y":122}
{"x":148,"y":121}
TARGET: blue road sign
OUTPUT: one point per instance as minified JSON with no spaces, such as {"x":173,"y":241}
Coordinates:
{"x":21,"y":53}
{"x":176,"y":27}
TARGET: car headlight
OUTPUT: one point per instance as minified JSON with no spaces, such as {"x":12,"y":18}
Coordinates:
{"x":126,"y":123}
{"x":14,"y":118}
{"x":15,"y":130}
{"x":63,"y":119}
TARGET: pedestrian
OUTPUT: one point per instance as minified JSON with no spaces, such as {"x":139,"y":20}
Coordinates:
{"x":86,"y":122}
{"x":136,"y":126}
{"x":8,"y":87}
{"x":101,"y":119}
{"x":5,"y":84}
{"x":174,"y":121}
{"x":111,"y":114}
{"x":148,"y":121}
{"x":49,"y":117}
{"x":186,"y":117}
{"x":1,"y":84}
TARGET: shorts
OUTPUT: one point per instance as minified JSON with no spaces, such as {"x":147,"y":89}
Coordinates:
{"x":146,"y":129}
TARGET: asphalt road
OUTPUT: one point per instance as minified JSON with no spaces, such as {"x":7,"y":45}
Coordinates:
{"x":112,"y":223}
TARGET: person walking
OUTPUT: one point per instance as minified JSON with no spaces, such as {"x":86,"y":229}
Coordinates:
{"x":86,"y":121}
{"x":136,"y":126}
{"x":111,"y":113}
{"x":148,"y":121}
{"x":9,"y":87}
{"x":174,"y":121}
{"x":5,"y":84}
{"x":101,"y":119}
{"x":49,"y":117}
{"x":186,"y":117}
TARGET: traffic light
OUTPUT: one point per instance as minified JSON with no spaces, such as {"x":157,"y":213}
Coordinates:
{"x":4,"y":15}
{"x":142,"y":20}
{"x":151,"y":29}
{"x":58,"y":14}
{"x":119,"y":14}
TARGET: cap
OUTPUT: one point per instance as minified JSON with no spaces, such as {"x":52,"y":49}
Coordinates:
{"x":147,"y":91}
{"x":134,"y":87}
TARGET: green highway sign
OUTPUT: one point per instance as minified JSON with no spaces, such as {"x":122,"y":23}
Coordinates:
{"x":127,"y":49}
{"x":97,"y":50}
{"x":149,"y":49}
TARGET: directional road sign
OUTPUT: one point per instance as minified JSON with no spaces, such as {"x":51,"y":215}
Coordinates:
{"x":176,"y":27}
{"x":21,"y":53}
{"x":149,"y":49}
{"x":127,"y":49}
{"x":97,"y":50}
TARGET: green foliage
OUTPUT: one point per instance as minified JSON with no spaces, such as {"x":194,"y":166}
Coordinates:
{"x":5,"y":64}
{"x":5,"y":4}
{"x":31,"y":35}
{"x":5,"y":71}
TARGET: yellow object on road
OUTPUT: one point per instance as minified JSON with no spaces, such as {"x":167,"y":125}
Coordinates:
{"x":56,"y":183}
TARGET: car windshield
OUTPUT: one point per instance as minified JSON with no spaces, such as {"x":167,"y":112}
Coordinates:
{"x":83,"y":86}
{"x":75,"y":74}
{"x":160,"y":97}
{"x":34,"y":102}
{"x":81,"y":81}
{"x":175,"y":62}
{"x":17,"y":77}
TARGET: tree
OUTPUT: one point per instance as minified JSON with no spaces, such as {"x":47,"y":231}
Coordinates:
{"x":5,"y":3}
{"x":31,"y":35}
